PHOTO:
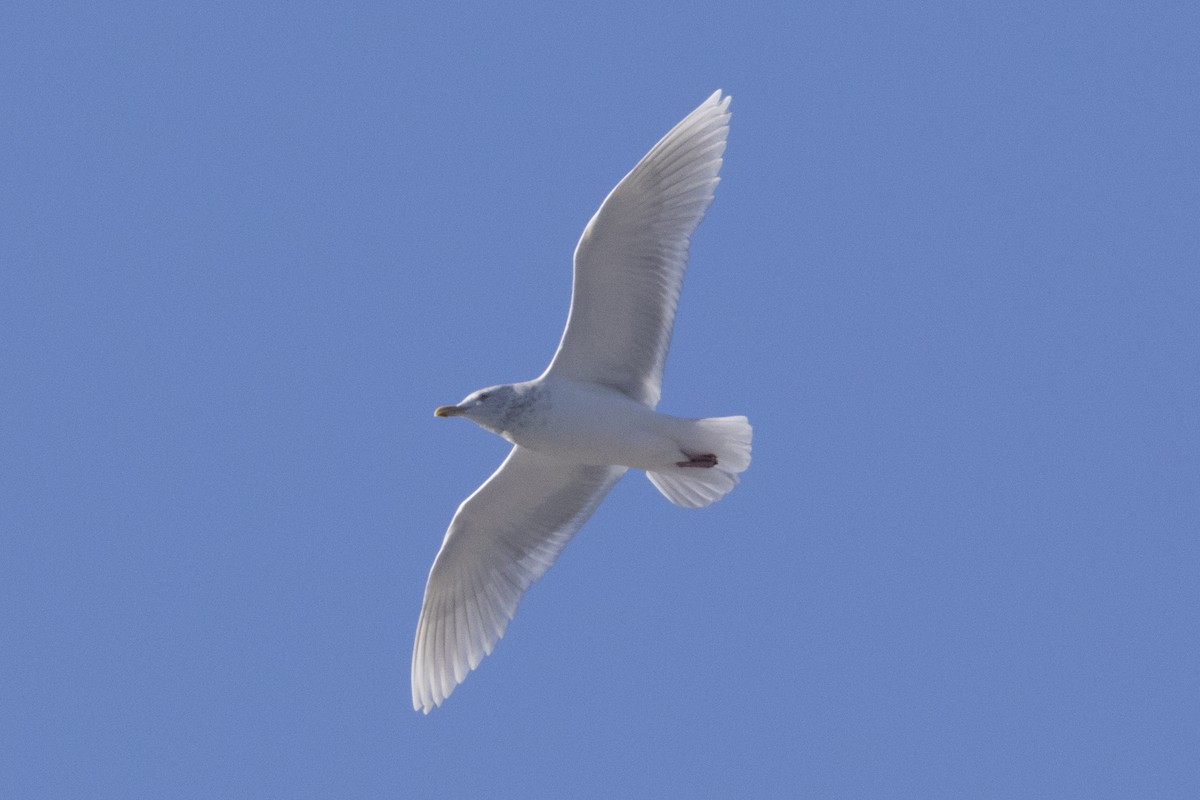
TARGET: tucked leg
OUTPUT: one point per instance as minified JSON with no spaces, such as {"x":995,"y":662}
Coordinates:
{"x":702,"y":461}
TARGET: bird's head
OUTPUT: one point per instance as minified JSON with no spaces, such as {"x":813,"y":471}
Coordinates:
{"x":489,"y":408}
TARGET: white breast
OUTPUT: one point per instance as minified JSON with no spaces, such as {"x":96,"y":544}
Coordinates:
{"x":589,"y":424}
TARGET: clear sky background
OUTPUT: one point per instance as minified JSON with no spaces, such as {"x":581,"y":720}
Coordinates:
{"x":951,"y":275}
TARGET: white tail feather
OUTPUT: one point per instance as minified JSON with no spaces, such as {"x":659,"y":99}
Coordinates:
{"x":728,"y":438}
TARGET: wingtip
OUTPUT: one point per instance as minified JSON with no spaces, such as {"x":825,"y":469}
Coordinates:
{"x":426,"y":704}
{"x":719,"y":99}
{"x":418,"y":700}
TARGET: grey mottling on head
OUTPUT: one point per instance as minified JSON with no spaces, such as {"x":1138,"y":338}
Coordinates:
{"x":525,"y":406}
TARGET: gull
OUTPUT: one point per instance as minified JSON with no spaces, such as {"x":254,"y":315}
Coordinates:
{"x":591,"y":415}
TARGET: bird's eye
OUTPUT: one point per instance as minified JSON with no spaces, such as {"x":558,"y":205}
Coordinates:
{"x":483,"y":396}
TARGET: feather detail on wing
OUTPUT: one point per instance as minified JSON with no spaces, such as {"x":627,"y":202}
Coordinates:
{"x":630,"y":261}
{"x":502,"y":539}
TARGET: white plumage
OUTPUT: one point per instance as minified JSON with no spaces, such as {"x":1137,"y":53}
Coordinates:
{"x":629,"y":263}
{"x":589,"y":416}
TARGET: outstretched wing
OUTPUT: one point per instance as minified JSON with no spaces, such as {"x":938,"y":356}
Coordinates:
{"x":630,"y":261}
{"x":501,"y":540}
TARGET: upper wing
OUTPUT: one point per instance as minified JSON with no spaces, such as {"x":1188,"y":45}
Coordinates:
{"x":503,"y":537}
{"x":629,"y":263}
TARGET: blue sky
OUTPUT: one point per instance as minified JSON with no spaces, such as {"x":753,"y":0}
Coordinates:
{"x":950,"y":275}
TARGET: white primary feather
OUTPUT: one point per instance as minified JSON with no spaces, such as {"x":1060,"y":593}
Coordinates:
{"x":502,"y":539}
{"x":630,"y":261}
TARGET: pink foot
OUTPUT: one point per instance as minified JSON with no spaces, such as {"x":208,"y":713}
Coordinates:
{"x":705,"y":461}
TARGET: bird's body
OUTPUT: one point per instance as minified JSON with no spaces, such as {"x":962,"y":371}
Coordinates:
{"x":590,"y":416}
{"x":586,"y":423}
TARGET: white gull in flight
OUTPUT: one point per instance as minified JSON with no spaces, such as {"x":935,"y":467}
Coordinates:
{"x":589,"y":416}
